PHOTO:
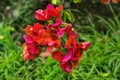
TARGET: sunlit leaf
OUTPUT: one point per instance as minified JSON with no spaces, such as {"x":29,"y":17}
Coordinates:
{"x":56,"y":2}
{"x":69,"y":16}
{"x":1,"y":37}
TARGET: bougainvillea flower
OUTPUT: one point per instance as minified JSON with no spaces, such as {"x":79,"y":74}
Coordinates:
{"x":108,"y":1}
{"x":53,"y":12}
{"x":30,"y":44}
{"x":61,"y":31}
{"x":74,"y":53}
{"x":44,"y":14}
{"x":68,"y":30}
{"x":105,"y":1}
{"x":49,"y":37}
{"x":84,"y":45}
{"x":27,"y":55}
{"x":38,"y":33}
{"x":77,"y":55}
{"x":31,"y":50}
{"x":67,"y":67}
{"x":70,"y":42}
{"x":67,"y":57}
{"x":57,"y":55}
{"x":40,"y":15}
{"x":78,"y":50}
{"x":48,"y":13}
{"x":44,"y":38}
{"x":50,"y":10}
{"x":57,"y":13}
{"x":55,"y":43}
{"x":34,"y":30}
{"x":115,"y":1}
{"x":57,"y":24}
{"x":52,"y":47}
{"x":67,"y":61}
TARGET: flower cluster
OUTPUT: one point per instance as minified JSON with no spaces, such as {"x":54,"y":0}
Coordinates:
{"x":49,"y":37}
{"x":108,"y":1}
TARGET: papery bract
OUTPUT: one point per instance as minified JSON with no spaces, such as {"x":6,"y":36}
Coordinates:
{"x":48,"y":13}
{"x":115,"y":1}
{"x":40,"y":15}
{"x":27,"y":55}
{"x":68,"y":30}
{"x":67,"y":57}
{"x":34,"y":30}
{"x":108,"y":1}
{"x":84,"y":45}
{"x":70,"y":42}
{"x":30,"y":44}
{"x":57,"y":55}
{"x":105,"y":1}
{"x":67,"y":67}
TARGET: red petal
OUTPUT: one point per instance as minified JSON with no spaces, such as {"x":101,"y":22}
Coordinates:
{"x":40,"y":15}
{"x":37,"y":27}
{"x":50,"y":6}
{"x":59,"y":8}
{"x":68,"y":67}
{"x":85,"y":45}
{"x":28,"y":30}
{"x":49,"y":11}
{"x":67,"y":57}
{"x":58,"y":43}
{"x":69,"y":42}
{"x":77,"y":55}
{"x":49,"y":49}
{"x":57,"y":55}
{"x":51,"y":43}
{"x":105,"y":1}
{"x":28,"y":39}
{"x":26,"y":55}
{"x":115,"y":1}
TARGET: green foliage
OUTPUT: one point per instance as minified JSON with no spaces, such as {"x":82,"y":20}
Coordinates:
{"x":77,"y":1}
{"x":56,"y":2}
{"x":6,"y":37}
{"x":68,"y":16}
{"x":100,"y":62}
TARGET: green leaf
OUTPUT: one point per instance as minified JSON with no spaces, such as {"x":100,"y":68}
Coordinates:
{"x":63,"y":17}
{"x":56,"y":2}
{"x":77,"y":1}
{"x":1,"y":37}
{"x":69,"y":16}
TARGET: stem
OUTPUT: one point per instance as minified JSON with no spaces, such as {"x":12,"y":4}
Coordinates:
{"x":62,"y":2}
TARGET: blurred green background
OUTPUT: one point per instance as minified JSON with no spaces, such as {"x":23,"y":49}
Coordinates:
{"x":94,"y":22}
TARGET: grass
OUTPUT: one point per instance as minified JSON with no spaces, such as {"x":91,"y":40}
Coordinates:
{"x":100,"y":62}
